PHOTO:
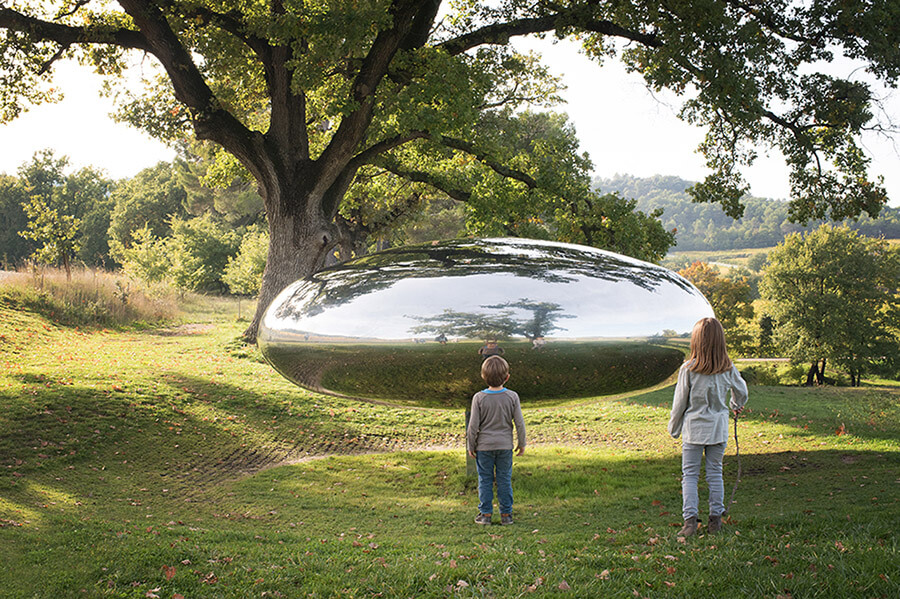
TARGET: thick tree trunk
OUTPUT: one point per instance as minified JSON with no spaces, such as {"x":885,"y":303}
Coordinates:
{"x":298,"y":243}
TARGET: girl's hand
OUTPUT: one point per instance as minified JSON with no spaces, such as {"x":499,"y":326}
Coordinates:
{"x":737,"y":411}
{"x":520,"y":451}
{"x":474,"y":454}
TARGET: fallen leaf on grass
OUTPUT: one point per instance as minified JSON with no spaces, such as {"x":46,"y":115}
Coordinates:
{"x":603,"y":575}
{"x":564,"y":586}
{"x":169,"y":572}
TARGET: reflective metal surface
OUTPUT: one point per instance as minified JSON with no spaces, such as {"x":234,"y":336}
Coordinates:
{"x":411,"y":325}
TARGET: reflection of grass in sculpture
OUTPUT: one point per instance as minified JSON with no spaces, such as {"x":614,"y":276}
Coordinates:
{"x":435,"y":375}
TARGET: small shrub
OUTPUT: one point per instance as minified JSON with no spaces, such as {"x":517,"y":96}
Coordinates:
{"x":761,"y":374}
{"x":792,"y":374}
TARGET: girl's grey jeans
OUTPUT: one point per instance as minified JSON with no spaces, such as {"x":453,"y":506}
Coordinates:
{"x":691,"y":456}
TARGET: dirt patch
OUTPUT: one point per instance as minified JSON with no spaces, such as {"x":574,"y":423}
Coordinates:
{"x":185,"y":329}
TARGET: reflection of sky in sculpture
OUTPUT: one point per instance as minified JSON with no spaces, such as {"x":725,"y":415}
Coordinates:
{"x":389,"y":295}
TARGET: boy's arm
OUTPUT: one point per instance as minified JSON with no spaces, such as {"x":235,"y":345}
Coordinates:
{"x":680,"y":402}
{"x":472,"y":430}
{"x":520,"y":425}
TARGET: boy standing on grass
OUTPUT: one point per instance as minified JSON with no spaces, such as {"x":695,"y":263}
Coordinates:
{"x":489,"y":439}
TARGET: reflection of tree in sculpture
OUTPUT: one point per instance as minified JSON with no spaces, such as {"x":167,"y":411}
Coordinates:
{"x":523,"y":258}
{"x":471,"y":325}
{"x":497,"y":325}
{"x":542,"y":324}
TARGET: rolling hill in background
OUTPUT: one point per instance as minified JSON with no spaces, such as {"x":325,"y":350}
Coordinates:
{"x":707,"y":227}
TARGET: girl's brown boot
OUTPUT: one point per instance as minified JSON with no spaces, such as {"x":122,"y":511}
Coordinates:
{"x":689,"y":528}
{"x":715,"y":524}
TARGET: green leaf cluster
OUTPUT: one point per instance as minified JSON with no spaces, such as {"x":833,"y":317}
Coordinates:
{"x":244,"y":271}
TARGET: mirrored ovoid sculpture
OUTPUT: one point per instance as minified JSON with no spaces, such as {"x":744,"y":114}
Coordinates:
{"x":412,"y":325}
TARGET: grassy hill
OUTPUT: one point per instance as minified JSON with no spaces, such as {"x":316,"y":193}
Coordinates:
{"x":174,"y":463}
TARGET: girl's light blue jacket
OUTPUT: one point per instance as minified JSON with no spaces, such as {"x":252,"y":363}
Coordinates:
{"x":700,"y":406}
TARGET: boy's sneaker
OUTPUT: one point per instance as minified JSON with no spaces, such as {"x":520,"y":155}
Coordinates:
{"x":506,"y":519}
{"x":483,"y":519}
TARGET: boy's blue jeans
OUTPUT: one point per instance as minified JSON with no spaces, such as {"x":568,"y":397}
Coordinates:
{"x":491,"y":463}
{"x":691,"y":456}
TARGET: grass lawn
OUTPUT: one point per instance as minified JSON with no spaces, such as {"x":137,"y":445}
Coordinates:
{"x":174,"y":463}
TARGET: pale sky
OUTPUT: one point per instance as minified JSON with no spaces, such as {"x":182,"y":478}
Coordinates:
{"x":623,"y":127}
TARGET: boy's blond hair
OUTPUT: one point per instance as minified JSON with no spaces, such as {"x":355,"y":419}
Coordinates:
{"x":494,"y":371}
{"x":708,"y":349}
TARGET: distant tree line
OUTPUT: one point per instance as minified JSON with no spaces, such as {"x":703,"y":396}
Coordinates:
{"x":706,"y":226}
{"x":163,"y":223}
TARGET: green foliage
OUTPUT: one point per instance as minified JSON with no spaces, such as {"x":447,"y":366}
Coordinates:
{"x":731,"y":299}
{"x":67,"y":215}
{"x":199,"y":250}
{"x":834,"y":295}
{"x":193,"y":258}
{"x":757,"y":262}
{"x":14,"y":248}
{"x":750,"y":90}
{"x":86,"y":195}
{"x":210,"y":187}
{"x":613,"y":223}
{"x":54,"y":232}
{"x":773,"y":374}
{"x":243,"y":272}
{"x":149,"y":199}
{"x":304,"y":95}
{"x":147,"y":258}
{"x":439,"y":219}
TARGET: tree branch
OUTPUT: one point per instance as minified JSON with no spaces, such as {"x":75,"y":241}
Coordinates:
{"x":501,"y":32}
{"x":231,"y":22}
{"x":424,"y":177}
{"x":771,"y":22}
{"x":501,"y":169}
{"x":369,"y":154}
{"x":407,"y":15}
{"x":210,"y":120}
{"x":67,"y":35}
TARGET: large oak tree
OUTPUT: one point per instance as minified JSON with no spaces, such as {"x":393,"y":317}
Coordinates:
{"x":305,"y":93}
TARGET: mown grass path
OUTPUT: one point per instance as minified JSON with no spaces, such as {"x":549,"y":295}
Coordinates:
{"x":174,"y":463}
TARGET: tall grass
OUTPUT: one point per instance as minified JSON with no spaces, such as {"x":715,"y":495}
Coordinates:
{"x":90,"y":297}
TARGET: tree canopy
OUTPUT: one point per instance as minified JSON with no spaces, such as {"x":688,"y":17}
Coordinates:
{"x":730,"y":297}
{"x":834,"y":296}
{"x":306,"y":95}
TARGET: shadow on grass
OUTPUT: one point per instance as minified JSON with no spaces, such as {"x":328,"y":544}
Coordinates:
{"x":867,"y":413}
{"x":599,"y":489}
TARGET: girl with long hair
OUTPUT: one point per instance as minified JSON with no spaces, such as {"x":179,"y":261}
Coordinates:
{"x":700,"y":418}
